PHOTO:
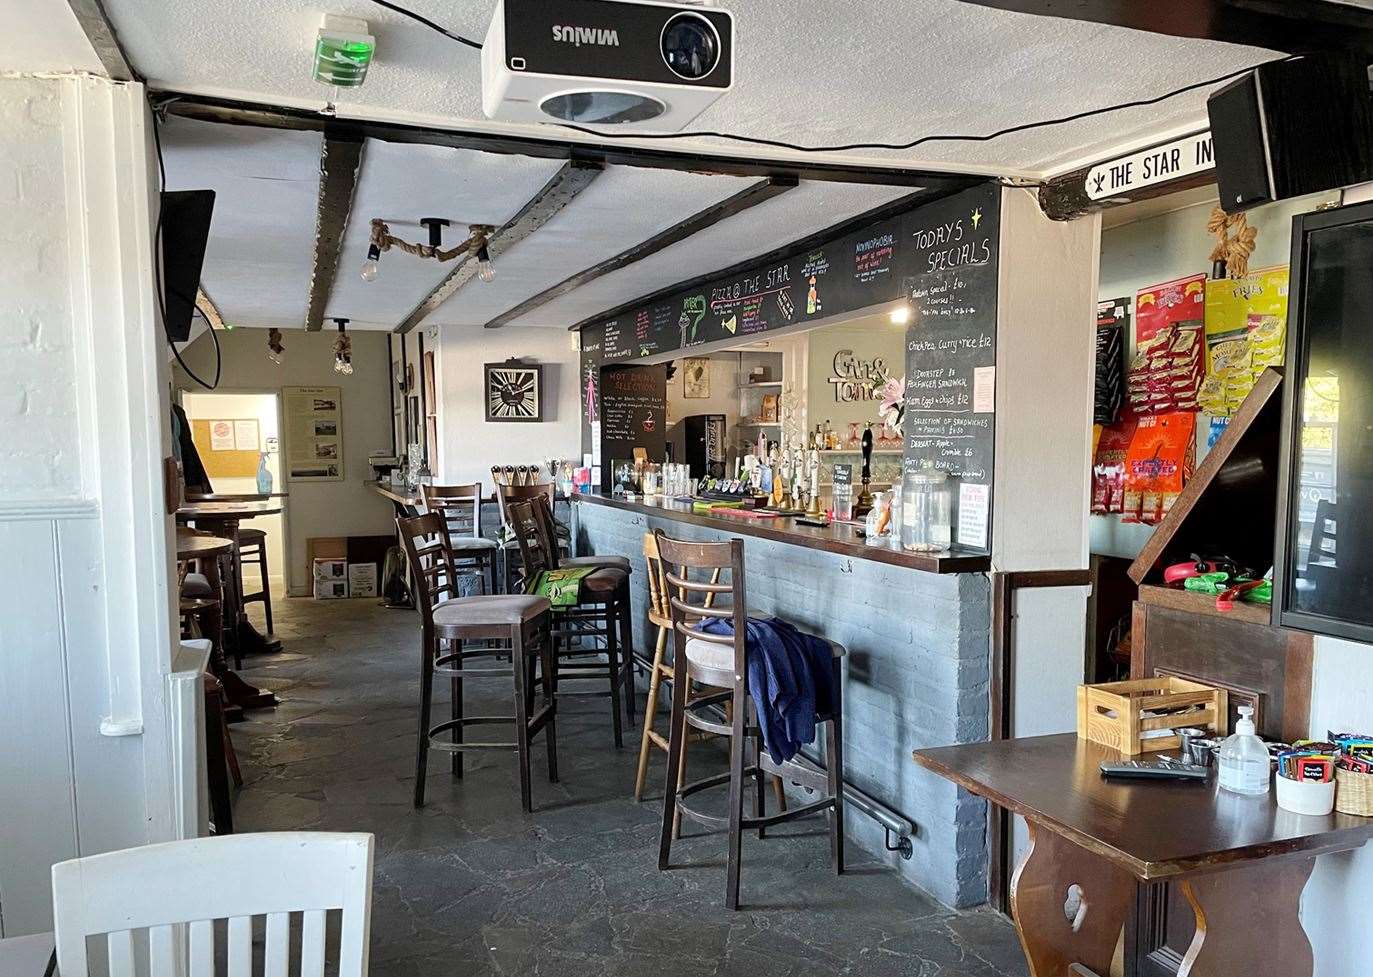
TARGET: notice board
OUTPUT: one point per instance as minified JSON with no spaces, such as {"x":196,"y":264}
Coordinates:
{"x":314,"y":433}
{"x":950,"y":415}
{"x":633,"y":414}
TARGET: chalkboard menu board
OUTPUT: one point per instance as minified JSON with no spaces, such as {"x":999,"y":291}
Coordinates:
{"x":633,"y":414}
{"x":951,"y":283}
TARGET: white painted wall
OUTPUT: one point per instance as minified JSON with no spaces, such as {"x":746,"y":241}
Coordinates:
{"x":471,"y":444}
{"x":86,"y":619}
{"x":314,"y":509}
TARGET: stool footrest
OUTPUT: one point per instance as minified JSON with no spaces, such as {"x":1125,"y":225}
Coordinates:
{"x":474,"y":672}
{"x":795,"y":773}
{"x":444,"y":746}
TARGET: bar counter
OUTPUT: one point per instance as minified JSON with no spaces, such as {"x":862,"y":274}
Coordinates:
{"x":840,"y":538}
{"x":917,"y":631}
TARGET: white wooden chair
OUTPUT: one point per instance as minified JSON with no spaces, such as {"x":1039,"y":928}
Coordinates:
{"x":196,"y":882}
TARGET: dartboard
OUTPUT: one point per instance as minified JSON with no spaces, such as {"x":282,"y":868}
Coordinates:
{"x":513,"y":392}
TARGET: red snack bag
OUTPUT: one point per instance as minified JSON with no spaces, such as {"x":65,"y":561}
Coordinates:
{"x":1157,"y":465}
{"x":1108,"y":468}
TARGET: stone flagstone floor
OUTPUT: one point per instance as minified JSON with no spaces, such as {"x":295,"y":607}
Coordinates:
{"x":471,"y":886}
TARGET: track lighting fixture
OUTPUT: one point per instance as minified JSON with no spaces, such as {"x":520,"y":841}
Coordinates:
{"x":475,"y":246}
{"x":343,"y":349}
{"x":274,"y":345}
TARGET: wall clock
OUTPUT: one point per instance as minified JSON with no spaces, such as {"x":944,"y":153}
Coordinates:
{"x":514,"y":392}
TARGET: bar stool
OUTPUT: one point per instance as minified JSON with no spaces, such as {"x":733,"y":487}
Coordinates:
{"x":447,"y":621}
{"x":461,"y":507}
{"x":508,"y":491}
{"x":721,"y":661}
{"x":660,"y":674}
{"x":596,"y":616}
{"x":253,"y":543}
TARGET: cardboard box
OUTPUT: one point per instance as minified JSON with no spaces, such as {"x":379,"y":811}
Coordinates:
{"x":330,"y":589}
{"x":362,"y":580}
{"x":331,"y":569}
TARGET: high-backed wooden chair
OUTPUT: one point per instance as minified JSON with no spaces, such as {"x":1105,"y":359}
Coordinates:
{"x":598,"y":616}
{"x":518,"y":621}
{"x":195,"y":883}
{"x":474,"y":555}
{"x":696,"y":593}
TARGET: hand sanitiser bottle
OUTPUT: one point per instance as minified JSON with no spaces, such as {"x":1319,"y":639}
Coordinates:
{"x":1244,"y":758}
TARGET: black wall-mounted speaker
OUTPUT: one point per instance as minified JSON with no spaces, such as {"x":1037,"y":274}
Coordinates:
{"x":1290,"y":128}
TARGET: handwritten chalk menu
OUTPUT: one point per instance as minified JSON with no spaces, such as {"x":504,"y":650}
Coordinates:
{"x":633,"y":415}
{"x":589,"y":382}
{"x":950,"y":419}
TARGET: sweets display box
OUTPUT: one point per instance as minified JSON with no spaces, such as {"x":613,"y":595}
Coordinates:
{"x":1141,"y":715}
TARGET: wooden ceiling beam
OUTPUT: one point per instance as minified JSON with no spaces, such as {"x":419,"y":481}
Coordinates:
{"x":340,"y":160}
{"x":1293,"y":26}
{"x":749,"y":197}
{"x":99,"y":30}
{"x":608,"y":154}
{"x":557,"y":193}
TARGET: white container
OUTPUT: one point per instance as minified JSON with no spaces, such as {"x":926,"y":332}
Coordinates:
{"x":331,"y":569}
{"x":1306,"y":797}
{"x":926,"y":510}
{"x":1245,"y":767}
{"x":362,"y":580}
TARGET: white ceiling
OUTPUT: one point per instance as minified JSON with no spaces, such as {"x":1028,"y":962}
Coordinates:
{"x":807,"y":73}
{"x":43,"y":35}
{"x":261,"y":248}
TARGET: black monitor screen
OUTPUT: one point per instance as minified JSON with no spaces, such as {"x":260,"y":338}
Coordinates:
{"x":185,"y":229}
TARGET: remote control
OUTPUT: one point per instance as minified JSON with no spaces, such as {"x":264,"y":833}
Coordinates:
{"x":1160,"y":769}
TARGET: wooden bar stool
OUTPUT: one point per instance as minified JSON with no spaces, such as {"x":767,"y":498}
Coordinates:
{"x":691,"y":571}
{"x":461,"y":507}
{"x":447,"y":621}
{"x":596,"y":617}
{"x":252,"y":544}
{"x":660,"y":674}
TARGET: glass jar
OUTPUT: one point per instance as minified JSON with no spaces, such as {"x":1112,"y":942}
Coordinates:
{"x":926,"y":510}
{"x":649,"y":480}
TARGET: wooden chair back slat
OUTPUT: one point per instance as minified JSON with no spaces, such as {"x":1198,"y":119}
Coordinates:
{"x":430,"y":554}
{"x":240,"y":944}
{"x":276,"y":955}
{"x":161,"y":951}
{"x":202,"y":953}
{"x":460,"y":506}
{"x":692,"y":572}
{"x":312,"y":943}
{"x":119,"y":944}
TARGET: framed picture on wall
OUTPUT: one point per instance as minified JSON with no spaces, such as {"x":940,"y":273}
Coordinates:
{"x":696,"y":378}
{"x":514,"y":391}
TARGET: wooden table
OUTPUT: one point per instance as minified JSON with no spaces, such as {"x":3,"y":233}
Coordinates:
{"x":208,"y":550}
{"x":1241,"y":862}
{"x":223,"y":518}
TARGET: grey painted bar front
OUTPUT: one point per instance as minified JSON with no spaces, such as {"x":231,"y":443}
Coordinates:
{"x":916,"y":675}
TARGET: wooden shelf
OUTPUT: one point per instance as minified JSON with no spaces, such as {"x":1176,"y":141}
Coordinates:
{"x":859,"y":451}
{"x":751,"y":422}
{"x":761,"y":385}
{"x":1195,"y":603}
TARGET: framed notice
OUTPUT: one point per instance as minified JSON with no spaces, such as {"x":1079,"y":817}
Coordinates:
{"x":314,"y":433}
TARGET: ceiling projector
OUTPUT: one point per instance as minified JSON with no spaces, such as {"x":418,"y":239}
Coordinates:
{"x":634,"y":64}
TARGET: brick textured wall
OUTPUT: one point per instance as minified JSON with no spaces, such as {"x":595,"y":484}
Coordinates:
{"x":39,"y":454}
{"x":916,"y":675}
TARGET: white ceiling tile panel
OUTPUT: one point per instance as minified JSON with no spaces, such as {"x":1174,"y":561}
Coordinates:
{"x":261,"y":246}
{"x":809,"y":208}
{"x":620,"y":208}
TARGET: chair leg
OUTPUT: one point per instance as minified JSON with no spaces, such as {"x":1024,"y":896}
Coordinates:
{"x":681,"y":774}
{"x":738,"y":744}
{"x":779,"y":790}
{"x":627,"y":649}
{"x":550,"y":728}
{"x":834,"y":767}
{"x":612,"y":655}
{"x":230,"y":754}
{"x":266,"y":587}
{"x":655,"y":680}
{"x":455,"y":712}
{"x":517,"y":645}
{"x":676,"y":756}
{"x":755,"y":759}
{"x":426,"y":691}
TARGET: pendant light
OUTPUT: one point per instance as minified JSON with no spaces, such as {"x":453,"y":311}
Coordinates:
{"x":343,"y":349}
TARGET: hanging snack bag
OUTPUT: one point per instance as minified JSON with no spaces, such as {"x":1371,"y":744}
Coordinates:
{"x":1158,"y":464}
{"x":1108,"y":468}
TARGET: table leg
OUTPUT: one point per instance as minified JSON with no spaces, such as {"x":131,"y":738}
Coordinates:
{"x":1069,"y":906}
{"x":1247,"y":920}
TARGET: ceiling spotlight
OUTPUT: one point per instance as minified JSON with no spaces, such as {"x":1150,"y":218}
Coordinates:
{"x":274,"y":345}
{"x":343,"y":51}
{"x":369,"y":267}
{"x":485,"y":270}
{"x":901,"y":315}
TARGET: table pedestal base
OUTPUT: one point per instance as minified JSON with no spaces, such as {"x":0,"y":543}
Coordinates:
{"x":1069,"y":907}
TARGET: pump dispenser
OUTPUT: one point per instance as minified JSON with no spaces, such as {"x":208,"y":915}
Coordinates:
{"x":1244,"y":765}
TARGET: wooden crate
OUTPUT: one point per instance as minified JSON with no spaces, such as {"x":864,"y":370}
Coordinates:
{"x":1112,"y":713}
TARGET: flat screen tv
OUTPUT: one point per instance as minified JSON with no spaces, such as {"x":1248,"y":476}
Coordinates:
{"x":185,"y":220}
{"x":1323,"y":570}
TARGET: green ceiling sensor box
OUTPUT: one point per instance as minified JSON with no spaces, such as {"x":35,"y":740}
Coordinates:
{"x":343,"y":51}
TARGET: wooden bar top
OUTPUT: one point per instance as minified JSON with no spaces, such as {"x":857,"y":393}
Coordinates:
{"x":839,"y":538}
{"x":1152,"y":829}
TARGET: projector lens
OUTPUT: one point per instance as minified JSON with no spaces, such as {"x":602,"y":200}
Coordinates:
{"x":690,"y":46}
{"x":602,"y":108}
